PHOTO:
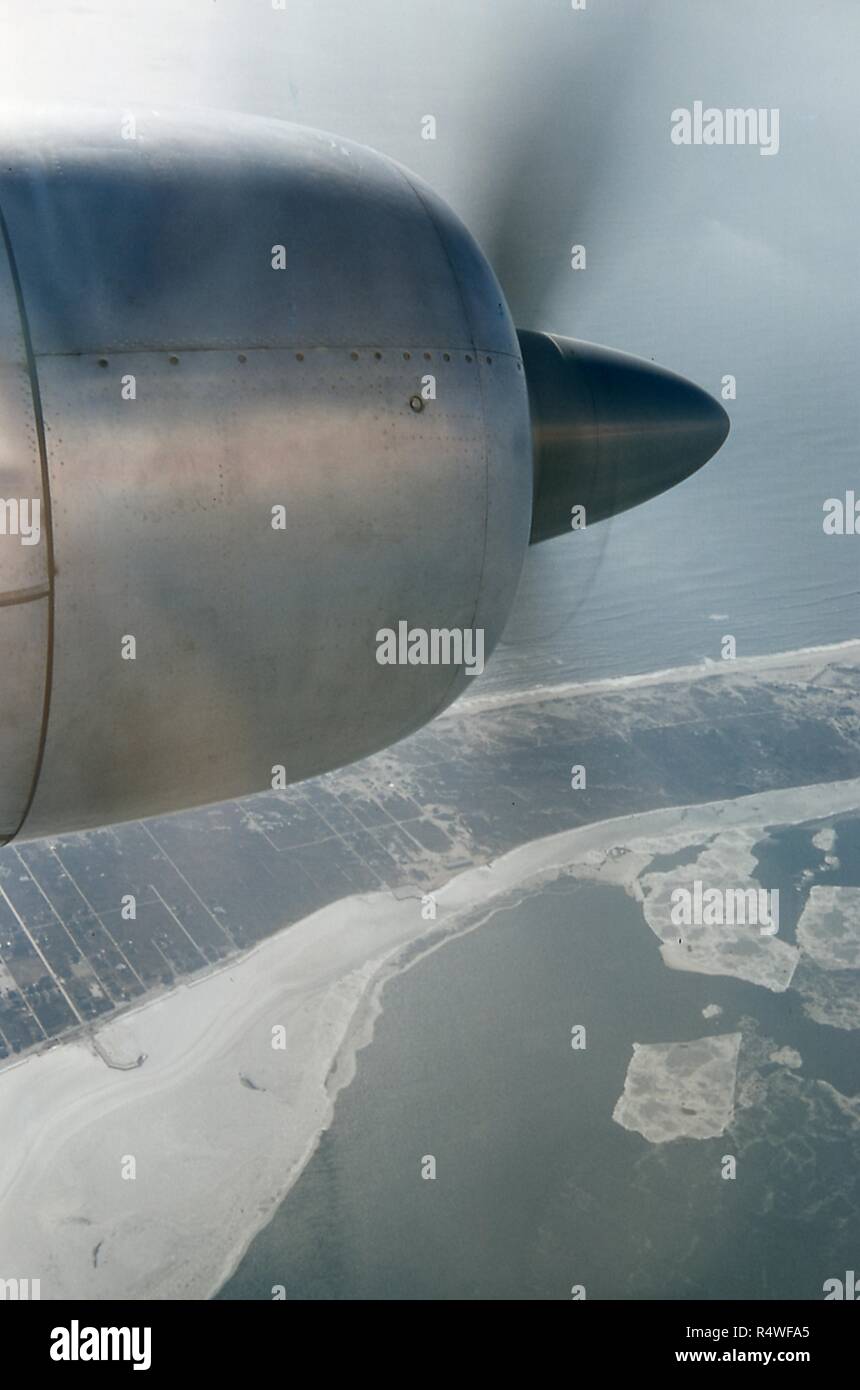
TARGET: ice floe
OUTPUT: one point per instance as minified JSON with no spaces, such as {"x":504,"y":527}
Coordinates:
{"x":829,"y":928}
{"x":680,"y":1090}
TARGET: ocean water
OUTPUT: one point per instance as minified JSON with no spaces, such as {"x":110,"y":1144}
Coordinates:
{"x":536,"y":1188}
{"x":737,"y":549}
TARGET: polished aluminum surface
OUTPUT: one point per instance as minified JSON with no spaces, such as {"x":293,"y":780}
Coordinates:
{"x":151,"y":258}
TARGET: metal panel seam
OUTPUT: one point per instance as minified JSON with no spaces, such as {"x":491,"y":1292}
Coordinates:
{"x":46,"y":505}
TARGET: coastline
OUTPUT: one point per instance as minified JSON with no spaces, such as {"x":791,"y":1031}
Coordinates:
{"x":220,"y":1124}
{"x":807,"y":661}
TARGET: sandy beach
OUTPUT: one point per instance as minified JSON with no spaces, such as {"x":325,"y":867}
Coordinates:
{"x":216,"y":1123}
{"x":803,"y":665}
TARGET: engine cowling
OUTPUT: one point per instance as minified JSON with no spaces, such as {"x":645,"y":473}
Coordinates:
{"x":165,"y":386}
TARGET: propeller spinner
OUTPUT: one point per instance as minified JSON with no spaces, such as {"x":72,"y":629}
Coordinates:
{"x":609,"y":430}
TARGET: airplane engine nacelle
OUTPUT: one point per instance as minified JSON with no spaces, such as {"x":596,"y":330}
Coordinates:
{"x":260,"y":398}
